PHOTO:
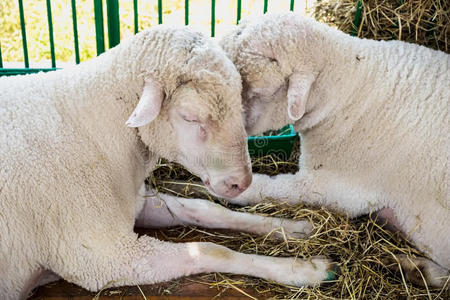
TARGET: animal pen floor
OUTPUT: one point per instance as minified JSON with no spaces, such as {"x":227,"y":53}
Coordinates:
{"x":363,"y":248}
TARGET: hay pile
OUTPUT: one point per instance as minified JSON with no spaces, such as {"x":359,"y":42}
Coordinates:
{"x":424,"y":22}
{"x":362,"y":247}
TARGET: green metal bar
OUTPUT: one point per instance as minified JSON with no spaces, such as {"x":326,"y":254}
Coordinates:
{"x":75,"y":32}
{"x":112,"y":9}
{"x":160,"y":20}
{"x":239,"y":9}
{"x":13,"y":71}
{"x":357,"y":19}
{"x":136,"y":19}
{"x":291,"y":8}
{"x":289,"y":134}
{"x":50,"y":33}
{"x":99,"y":30}
{"x":213,"y":18}
{"x":1,"y":59}
{"x":186,"y":12}
{"x":266,"y":2}
{"x":24,"y":35}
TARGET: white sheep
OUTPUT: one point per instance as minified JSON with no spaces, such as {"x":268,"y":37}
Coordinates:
{"x":373,"y":117}
{"x":72,"y":175}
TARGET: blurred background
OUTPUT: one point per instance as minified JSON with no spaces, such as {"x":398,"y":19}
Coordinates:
{"x":425,"y":22}
{"x":173,"y":12}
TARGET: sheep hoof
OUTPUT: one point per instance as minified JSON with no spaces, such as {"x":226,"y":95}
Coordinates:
{"x":332,"y":273}
{"x":294,"y":229}
{"x":300,"y":272}
{"x":418,"y":270}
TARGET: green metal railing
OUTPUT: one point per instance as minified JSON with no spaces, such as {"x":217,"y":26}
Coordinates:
{"x":113,"y":23}
{"x":186,"y":12}
{"x":112,"y":8}
{"x":357,"y":19}
{"x":24,"y":35}
{"x":99,"y":31}
{"x":50,"y":33}
{"x":213,"y":17}
{"x":75,"y":32}
{"x":135,"y":16}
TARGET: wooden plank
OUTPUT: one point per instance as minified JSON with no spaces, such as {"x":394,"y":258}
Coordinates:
{"x":184,"y":290}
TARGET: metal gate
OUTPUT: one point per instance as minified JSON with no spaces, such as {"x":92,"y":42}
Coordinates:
{"x":113,"y":25}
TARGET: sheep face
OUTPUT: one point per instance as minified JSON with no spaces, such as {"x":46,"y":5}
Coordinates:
{"x":193,"y":91}
{"x":276,"y":71}
{"x":212,"y":141}
{"x":258,"y":102}
{"x":207,"y":137}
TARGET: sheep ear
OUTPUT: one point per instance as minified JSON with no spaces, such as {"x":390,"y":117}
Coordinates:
{"x":149,"y":105}
{"x":298,"y":93}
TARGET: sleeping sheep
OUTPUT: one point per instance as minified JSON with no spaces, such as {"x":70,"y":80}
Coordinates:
{"x":72,"y":174}
{"x":374,"y":122}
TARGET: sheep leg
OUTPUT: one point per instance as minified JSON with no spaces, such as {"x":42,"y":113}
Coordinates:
{"x":146,"y":260}
{"x":419,"y":270}
{"x":316,"y":188}
{"x":192,"y":258}
{"x":164,"y":210}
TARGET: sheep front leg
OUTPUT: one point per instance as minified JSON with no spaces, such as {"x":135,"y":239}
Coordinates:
{"x":146,"y":260}
{"x":316,"y":188}
{"x":164,"y":210}
{"x":162,"y":261}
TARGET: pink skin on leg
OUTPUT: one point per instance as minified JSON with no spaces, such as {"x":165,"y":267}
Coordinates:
{"x":164,"y":210}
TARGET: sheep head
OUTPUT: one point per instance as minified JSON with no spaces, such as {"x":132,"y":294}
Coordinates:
{"x":273,"y":56}
{"x":194,"y":116}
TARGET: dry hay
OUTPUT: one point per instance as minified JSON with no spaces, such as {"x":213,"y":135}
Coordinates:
{"x":424,"y":22}
{"x":362,"y":246}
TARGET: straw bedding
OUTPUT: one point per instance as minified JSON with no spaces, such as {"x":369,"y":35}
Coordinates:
{"x":424,"y":22}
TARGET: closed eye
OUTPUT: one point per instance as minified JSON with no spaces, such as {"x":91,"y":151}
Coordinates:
{"x":271,"y":59}
{"x":264,"y":94}
{"x":190,"y":119}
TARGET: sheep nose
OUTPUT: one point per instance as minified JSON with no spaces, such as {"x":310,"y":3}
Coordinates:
{"x":239,"y":183}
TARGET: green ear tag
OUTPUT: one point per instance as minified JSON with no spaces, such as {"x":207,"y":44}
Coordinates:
{"x":331,"y":275}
